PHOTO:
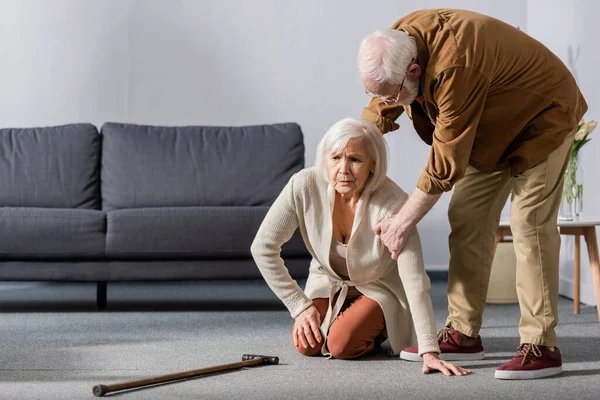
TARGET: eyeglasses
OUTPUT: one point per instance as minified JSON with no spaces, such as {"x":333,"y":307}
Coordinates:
{"x":391,"y":99}
{"x":388,"y":99}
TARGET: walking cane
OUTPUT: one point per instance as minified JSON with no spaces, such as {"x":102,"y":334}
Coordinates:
{"x":248,"y":360}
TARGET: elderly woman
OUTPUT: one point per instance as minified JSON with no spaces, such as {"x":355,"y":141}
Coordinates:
{"x":356,"y":294}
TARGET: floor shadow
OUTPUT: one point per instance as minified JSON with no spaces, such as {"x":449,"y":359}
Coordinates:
{"x":498,"y":358}
{"x":500,"y":344}
{"x":379,"y":356}
{"x":465,"y":364}
{"x":579,"y":372}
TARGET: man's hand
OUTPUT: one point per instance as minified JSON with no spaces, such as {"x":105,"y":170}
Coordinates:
{"x":394,"y":235}
{"x":307,"y":330}
{"x":394,"y":231}
{"x":431,"y":361}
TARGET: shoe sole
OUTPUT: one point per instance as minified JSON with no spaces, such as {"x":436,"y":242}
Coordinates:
{"x":535,"y":374}
{"x":446,"y":356}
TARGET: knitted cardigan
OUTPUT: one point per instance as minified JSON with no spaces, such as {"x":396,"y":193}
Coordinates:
{"x":399,"y":286}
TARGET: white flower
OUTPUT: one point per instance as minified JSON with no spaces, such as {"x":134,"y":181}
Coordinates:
{"x":585,"y":129}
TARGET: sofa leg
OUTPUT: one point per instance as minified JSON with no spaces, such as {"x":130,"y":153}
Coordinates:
{"x":101,"y":294}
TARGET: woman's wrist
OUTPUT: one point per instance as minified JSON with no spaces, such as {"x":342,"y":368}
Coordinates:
{"x":431,"y":354}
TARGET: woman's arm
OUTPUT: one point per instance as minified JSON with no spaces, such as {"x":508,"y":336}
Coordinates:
{"x":416,"y":285}
{"x":276,"y":229}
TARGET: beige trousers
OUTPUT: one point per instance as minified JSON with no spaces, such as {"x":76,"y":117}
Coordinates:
{"x":474,"y":215}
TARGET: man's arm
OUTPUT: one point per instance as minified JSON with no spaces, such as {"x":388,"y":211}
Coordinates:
{"x":383,"y":115}
{"x":460,"y":95}
{"x":418,"y":204}
{"x":395,"y":231}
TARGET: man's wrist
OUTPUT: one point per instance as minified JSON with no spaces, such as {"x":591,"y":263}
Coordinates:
{"x":402,"y":224}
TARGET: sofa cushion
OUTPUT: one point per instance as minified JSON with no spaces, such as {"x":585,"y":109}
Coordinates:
{"x":141,"y":270}
{"x":51,"y":233}
{"x":156,"y":166}
{"x":188,"y":232}
{"x":50,"y":167}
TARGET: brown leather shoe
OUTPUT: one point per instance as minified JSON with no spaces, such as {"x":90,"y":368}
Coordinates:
{"x":532,"y":362}
{"x":454,"y":346}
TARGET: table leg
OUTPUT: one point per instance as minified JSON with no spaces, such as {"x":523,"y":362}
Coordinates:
{"x":576,"y":275}
{"x":592,"y":246}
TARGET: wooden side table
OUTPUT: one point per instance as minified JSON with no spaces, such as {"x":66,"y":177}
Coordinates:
{"x":580,"y":226}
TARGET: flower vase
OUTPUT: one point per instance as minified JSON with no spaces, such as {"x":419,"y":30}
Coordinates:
{"x":572,"y":194}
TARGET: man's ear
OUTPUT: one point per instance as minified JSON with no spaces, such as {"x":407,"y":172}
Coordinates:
{"x":414,"y":71}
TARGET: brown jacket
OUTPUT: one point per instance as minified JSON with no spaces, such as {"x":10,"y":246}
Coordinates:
{"x":493,"y":97}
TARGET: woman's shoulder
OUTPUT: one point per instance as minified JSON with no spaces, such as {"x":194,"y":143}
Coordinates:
{"x":304,"y":176}
{"x":308,"y":173}
{"x":306,"y":180}
{"x":389,"y":193}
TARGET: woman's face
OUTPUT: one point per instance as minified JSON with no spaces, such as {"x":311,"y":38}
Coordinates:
{"x":350,"y":170}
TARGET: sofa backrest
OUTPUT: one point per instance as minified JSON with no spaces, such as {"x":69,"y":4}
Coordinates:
{"x":158,"y":166}
{"x":53,"y":167}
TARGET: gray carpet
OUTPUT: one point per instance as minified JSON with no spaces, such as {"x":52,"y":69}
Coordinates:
{"x":56,"y":345}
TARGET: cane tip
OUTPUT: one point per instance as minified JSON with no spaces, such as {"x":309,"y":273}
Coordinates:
{"x":99,"y":390}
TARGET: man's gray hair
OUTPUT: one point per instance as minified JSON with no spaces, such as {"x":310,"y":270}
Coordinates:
{"x":384,"y":56}
{"x":336,"y":139}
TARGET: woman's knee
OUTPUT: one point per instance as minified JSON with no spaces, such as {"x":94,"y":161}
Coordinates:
{"x":342,"y":345}
{"x":354,"y":333}
{"x":321,"y":304}
{"x":309,"y":351}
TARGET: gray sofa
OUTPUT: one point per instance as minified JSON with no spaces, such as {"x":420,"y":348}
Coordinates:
{"x":141,"y":203}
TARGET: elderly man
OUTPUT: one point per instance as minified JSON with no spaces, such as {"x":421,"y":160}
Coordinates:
{"x":499,"y":111}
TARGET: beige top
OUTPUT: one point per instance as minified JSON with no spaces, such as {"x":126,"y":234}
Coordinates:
{"x":399,"y":287}
{"x":337,"y":258}
{"x":493,"y":97}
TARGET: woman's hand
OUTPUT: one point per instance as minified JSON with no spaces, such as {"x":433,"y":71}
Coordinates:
{"x":431,"y":361}
{"x":306,"y":330}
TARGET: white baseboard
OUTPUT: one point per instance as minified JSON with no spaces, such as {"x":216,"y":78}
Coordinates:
{"x":586,"y":292}
{"x":565,"y":286}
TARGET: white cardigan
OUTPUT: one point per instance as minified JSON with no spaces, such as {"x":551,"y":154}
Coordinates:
{"x":307,"y":202}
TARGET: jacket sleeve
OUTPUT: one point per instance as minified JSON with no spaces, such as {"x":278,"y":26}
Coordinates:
{"x":460,"y":94}
{"x":276,"y":229}
{"x":416,"y":285}
{"x":383,"y":115}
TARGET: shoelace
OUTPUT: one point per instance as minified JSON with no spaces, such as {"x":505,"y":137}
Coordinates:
{"x":444,"y":336}
{"x":528,"y":351}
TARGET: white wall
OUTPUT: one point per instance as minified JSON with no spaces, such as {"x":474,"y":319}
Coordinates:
{"x":571,"y":31}
{"x":213,"y":62}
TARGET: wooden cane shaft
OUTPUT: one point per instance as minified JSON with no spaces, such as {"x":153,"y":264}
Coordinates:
{"x":101,"y":390}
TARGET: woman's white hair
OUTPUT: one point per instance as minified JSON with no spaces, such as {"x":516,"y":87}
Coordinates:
{"x":336,"y":139}
{"x":384,"y":56}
